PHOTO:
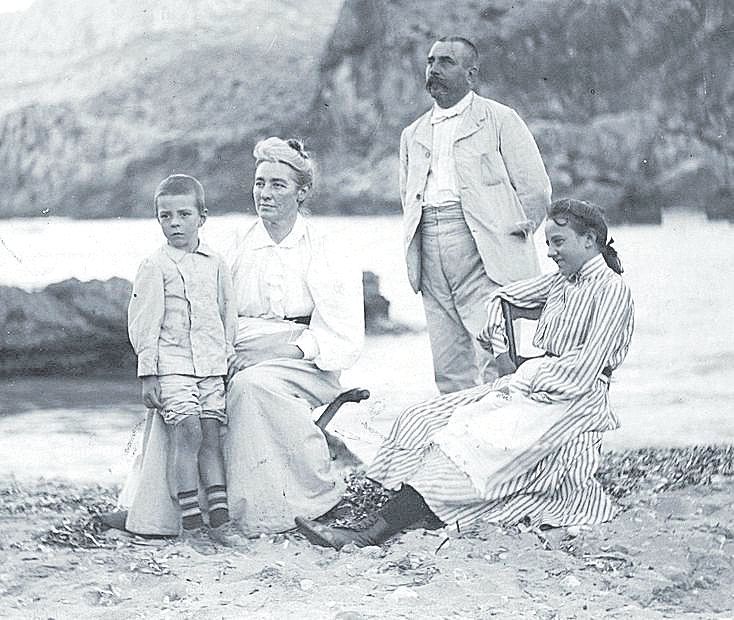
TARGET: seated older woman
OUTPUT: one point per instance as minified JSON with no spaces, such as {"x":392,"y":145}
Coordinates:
{"x":524,"y":449}
{"x":301,"y":321}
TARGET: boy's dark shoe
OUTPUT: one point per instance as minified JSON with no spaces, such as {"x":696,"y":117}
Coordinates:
{"x":228,"y":535}
{"x":198,"y":539}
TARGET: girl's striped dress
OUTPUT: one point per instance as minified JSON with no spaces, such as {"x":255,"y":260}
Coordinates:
{"x":586,"y":327}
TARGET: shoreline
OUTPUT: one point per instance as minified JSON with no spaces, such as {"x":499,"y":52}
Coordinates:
{"x":667,"y":554}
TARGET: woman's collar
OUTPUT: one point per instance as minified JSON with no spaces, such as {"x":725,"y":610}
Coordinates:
{"x":262,"y":238}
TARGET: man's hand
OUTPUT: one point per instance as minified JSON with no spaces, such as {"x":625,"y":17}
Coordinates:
{"x":151,"y":389}
{"x":523,"y":228}
{"x":505,"y":366}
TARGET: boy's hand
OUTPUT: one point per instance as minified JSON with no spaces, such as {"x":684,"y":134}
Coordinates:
{"x":151,"y":389}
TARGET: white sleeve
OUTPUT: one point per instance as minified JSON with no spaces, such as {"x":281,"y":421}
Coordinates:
{"x":145,"y":316}
{"x":337,"y":322}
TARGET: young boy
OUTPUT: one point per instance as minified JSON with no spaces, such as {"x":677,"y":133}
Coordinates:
{"x":181,"y":322}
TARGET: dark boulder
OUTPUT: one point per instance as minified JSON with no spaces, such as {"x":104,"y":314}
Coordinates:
{"x":80,"y":328}
{"x":67,"y":328}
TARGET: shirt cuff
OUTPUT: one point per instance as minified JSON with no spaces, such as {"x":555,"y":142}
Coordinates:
{"x":308,"y":344}
{"x":147,"y":366}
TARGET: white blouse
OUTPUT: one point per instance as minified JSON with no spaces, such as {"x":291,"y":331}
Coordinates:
{"x":303,"y":275}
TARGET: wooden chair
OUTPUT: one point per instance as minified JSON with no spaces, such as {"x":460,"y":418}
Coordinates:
{"x":337,"y":448}
{"x":510,"y":313}
{"x":355,"y":395}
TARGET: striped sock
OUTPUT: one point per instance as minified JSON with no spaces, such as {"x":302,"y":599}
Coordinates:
{"x":188,"y":501}
{"x":216,"y":497}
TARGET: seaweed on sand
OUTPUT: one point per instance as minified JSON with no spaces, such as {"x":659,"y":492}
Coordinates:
{"x":663,"y":469}
{"x":67,"y":500}
{"x":621,"y":473}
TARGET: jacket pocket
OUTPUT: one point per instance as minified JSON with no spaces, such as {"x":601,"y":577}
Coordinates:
{"x":491,"y":174}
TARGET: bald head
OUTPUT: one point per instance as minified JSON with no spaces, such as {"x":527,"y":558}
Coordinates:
{"x":467,"y":49}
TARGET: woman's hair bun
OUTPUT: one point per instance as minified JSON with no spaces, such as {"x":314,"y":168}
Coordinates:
{"x":289,"y":152}
{"x":297,"y":146}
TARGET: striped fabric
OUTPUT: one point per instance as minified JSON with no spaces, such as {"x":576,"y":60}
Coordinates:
{"x":188,"y":501}
{"x":216,"y":497}
{"x":588,"y":324}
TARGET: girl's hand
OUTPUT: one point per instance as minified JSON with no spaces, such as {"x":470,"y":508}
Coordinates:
{"x":485,"y":340}
{"x":505,"y":365}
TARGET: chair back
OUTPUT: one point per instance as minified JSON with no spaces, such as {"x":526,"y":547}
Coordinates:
{"x":510,"y":313}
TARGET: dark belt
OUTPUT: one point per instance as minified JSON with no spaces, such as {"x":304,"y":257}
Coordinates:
{"x":606,"y":371}
{"x":303,"y":320}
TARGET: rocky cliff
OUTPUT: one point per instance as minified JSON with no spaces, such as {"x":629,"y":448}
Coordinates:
{"x":101,"y":100}
{"x":631,"y":101}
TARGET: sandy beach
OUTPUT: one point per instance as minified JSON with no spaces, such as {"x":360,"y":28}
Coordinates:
{"x":667,"y":555}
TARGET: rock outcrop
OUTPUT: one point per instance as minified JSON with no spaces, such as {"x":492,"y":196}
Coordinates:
{"x":99,"y":101}
{"x":76,"y":328}
{"x":71,"y":327}
{"x":615,"y":92}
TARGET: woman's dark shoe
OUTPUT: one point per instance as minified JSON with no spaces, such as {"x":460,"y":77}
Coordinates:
{"x":116,"y":520}
{"x":338,"y":537}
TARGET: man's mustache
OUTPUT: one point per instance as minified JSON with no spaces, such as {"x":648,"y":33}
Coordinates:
{"x":432,"y":80}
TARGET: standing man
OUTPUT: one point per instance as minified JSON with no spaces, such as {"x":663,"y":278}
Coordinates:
{"x":473,"y":189}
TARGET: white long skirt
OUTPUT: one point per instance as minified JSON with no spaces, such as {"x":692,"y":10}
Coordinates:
{"x":277,"y":459}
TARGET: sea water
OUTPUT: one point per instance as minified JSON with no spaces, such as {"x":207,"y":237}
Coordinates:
{"x":675,"y":388}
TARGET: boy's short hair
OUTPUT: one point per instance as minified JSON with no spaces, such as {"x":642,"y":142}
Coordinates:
{"x":180,"y":185}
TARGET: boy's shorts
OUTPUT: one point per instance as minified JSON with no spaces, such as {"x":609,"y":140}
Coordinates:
{"x":184,"y":396}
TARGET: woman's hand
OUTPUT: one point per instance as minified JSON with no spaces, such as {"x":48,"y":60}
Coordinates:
{"x":249,"y":357}
{"x":244,"y":359}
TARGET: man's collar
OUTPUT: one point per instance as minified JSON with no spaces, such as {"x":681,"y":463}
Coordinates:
{"x":261,"y":237}
{"x":439,"y":114}
{"x":176,"y":254}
